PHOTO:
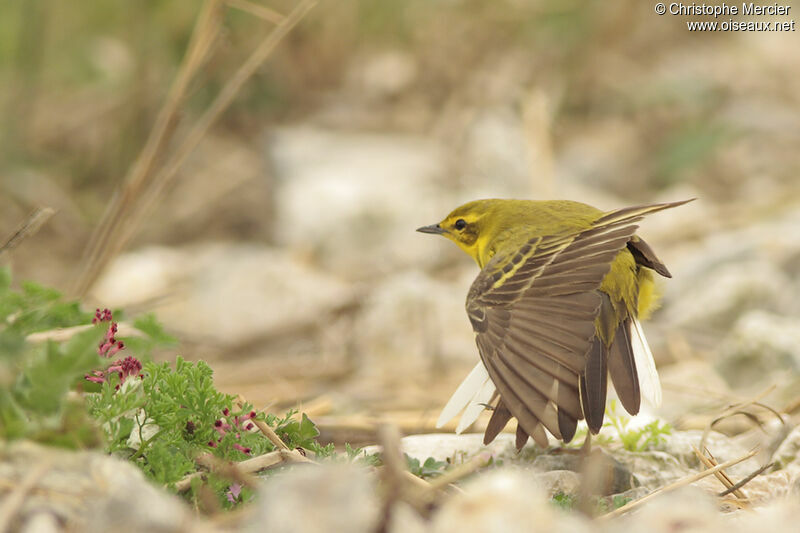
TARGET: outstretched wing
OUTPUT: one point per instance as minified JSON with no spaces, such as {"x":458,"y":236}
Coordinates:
{"x":534,"y":315}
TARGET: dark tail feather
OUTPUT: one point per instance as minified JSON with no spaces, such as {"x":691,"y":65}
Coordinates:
{"x":500,"y":417}
{"x":594,"y":383}
{"x":522,"y":437}
{"x":567,"y":425}
{"x":622,"y":368}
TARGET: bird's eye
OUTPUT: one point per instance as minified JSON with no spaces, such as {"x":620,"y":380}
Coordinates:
{"x":460,"y":224}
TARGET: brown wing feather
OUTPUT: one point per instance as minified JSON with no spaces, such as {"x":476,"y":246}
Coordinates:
{"x":534,"y":320}
{"x":593,"y":385}
{"x":622,"y":368}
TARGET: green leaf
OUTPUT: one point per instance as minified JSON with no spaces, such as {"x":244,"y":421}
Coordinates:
{"x":5,"y":279}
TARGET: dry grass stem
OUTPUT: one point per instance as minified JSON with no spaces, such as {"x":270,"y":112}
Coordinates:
{"x":105,"y":243}
{"x":243,"y":468}
{"x":65,"y":334}
{"x":217,"y":107}
{"x":146,"y":183}
{"x":28,"y":228}
{"x":710,"y":462}
{"x":228,"y":469}
{"x":461,"y":471}
{"x":745,"y":480}
{"x":738,"y":409}
{"x":184,"y":484}
{"x":265,"y":429}
{"x":688,"y":480}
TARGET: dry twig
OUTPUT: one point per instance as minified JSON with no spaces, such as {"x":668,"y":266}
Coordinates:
{"x":29,"y":227}
{"x":676,"y":485}
{"x":710,"y":462}
{"x":738,"y":409}
{"x":248,"y":466}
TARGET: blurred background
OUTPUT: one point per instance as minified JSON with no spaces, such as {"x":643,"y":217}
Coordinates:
{"x":283,"y":249}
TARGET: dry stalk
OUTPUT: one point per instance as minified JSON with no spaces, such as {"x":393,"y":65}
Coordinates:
{"x":264,"y":428}
{"x":217,"y":107}
{"x":132,"y":204}
{"x":709,"y":461}
{"x":246,"y":467}
{"x":460,"y":472}
{"x":738,"y":409}
{"x":746,"y":480}
{"x":676,"y":485}
{"x":29,"y":227}
{"x":65,"y":334}
{"x":101,"y":248}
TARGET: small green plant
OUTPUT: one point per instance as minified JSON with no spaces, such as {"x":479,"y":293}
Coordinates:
{"x":567,"y":502}
{"x":428,"y":469}
{"x":159,"y":416}
{"x":563,"y":501}
{"x":36,"y":377}
{"x":633,"y":439}
{"x":361,"y":456}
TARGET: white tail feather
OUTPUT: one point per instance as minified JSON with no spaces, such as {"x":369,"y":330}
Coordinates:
{"x":476,"y":405}
{"x":649,"y":384}
{"x":465,"y":392}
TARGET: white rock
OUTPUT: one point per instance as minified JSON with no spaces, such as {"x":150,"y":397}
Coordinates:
{"x":316,"y":499}
{"x":418,"y":322}
{"x":504,"y":501}
{"x":355,"y":199}
{"x":688,"y":509}
{"x":230,"y":294}
{"x":759,"y":346}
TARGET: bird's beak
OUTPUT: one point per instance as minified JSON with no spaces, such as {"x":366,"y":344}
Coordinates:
{"x":436,"y":229}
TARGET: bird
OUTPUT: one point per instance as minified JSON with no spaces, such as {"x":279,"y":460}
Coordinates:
{"x":556,"y":310}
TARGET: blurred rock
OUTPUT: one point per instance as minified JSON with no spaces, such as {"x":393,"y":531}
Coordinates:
{"x":610,"y":475}
{"x":787,"y":456}
{"x":355,"y":199}
{"x":404,"y":519}
{"x":688,"y":385}
{"x":224,"y":192}
{"x":602,"y":153}
{"x":558,"y":481}
{"x":503,"y":501}
{"x":413,"y":322}
{"x":40,"y":522}
{"x":90,"y":491}
{"x":688,"y":509}
{"x":759,"y":346}
{"x":777,"y":516}
{"x":381,"y":75}
{"x":495,"y":161}
{"x":129,"y":503}
{"x":732,"y":271}
{"x":719,"y":293}
{"x":449,"y":446}
{"x":227,"y":294}
{"x":311,"y":499}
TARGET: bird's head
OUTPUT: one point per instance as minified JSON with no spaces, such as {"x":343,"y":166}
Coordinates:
{"x":468,"y":226}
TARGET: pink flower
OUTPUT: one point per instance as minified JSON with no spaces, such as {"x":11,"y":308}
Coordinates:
{"x":233,"y":492}
{"x":97,"y":376}
{"x":102,"y":316}
{"x":237,"y":446}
